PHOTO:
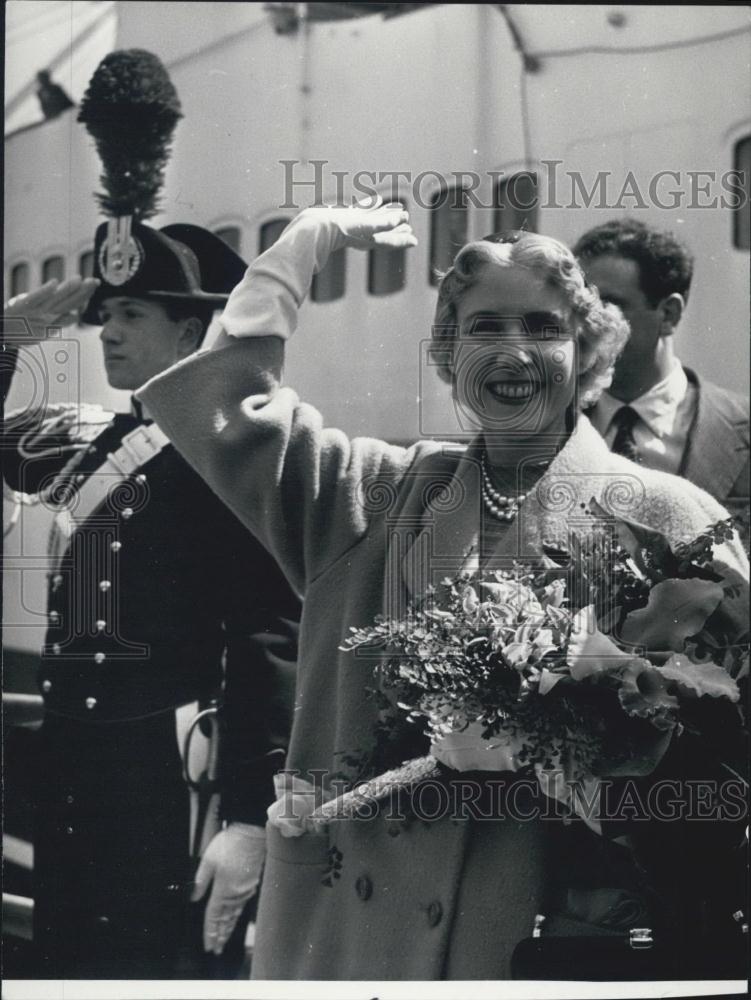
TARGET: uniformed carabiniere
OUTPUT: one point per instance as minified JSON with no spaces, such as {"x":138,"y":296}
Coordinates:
{"x":156,"y":594}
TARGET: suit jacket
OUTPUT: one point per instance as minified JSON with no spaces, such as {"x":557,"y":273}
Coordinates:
{"x":359,"y":526}
{"x":717,"y":452}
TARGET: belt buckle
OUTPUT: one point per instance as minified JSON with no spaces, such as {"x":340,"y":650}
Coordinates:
{"x":139,"y":446}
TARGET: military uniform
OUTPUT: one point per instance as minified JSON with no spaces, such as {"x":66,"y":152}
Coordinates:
{"x":149,"y":598}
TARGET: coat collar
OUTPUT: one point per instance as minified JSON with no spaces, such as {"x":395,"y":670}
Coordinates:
{"x":447,"y":541}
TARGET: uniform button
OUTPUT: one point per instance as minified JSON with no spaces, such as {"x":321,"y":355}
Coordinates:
{"x":127,"y":513}
{"x":54,"y":616}
{"x":56,"y":649}
{"x":435,"y":914}
{"x":101,"y":625}
{"x":99,"y":657}
{"x":103,"y":921}
{"x":80,"y":478}
{"x":91,"y":450}
{"x":69,"y":799}
{"x":364,"y":887}
{"x":57,"y":580}
{"x":46,"y":686}
{"x":116,"y":546}
{"x":91,"y":703}
{"x":140,"y":478}
{"x":104,"y":585}
{"x":69,"y":830}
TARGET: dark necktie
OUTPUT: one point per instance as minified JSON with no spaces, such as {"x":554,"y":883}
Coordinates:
{"x":623,"y":442}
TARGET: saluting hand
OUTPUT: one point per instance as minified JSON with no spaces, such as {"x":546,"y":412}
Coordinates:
{"x":29,"y":318}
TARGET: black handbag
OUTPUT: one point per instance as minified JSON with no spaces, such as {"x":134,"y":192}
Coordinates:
{"x":606,"y":957}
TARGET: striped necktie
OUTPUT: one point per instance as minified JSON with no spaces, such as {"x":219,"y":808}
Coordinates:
{"x":623,"y":442}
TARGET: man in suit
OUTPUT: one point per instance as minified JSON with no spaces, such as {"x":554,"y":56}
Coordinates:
{"x":656,"y":411}
{"x":158,"y":599}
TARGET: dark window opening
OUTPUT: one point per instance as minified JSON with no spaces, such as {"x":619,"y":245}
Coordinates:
{"x":742,"y":214}
{"x":86,"y":264}
{"x":330,"y":283}
{"x":53,"y":269}
{"x":19,"y":279}
{"x":231,"y":235}
{"x":449,"y":224}
{"x":515,"y":203}
{"x":387,"y":267}
{"x":270,"y":233}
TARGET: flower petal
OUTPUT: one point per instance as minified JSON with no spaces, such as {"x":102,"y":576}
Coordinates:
{"x":700,"y":678}
{"x":589,"y":651}
{"x":644,"y":691}
{"x":675,"y":610}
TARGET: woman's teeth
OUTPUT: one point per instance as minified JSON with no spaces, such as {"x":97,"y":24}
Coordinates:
{"x":513,"y":390}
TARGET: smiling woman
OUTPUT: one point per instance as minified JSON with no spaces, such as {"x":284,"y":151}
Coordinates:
{"x":367,"y":532}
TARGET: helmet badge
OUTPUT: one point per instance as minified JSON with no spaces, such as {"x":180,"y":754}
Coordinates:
{"x":121,"y":254}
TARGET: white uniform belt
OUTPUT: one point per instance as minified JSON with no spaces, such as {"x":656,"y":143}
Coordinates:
{"x":136,"y":449}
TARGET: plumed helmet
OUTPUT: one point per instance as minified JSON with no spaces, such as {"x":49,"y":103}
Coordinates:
{"x":131,"y":109}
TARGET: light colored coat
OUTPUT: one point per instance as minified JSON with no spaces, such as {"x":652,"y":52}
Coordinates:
{"x":357,"y":526}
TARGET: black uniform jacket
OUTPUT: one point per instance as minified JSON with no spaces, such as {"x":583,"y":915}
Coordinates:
{"x":159,"y":597}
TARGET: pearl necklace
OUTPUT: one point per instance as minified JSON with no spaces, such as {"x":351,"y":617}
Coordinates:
{"x":502,"y":508}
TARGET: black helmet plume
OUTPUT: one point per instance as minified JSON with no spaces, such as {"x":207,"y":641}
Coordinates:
{"x":131,"y":109}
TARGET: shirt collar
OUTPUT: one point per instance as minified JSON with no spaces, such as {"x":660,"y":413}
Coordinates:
{"x":139,"y":411}
{"x":656,"y":407}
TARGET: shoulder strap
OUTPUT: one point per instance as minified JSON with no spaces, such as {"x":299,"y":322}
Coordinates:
{"x":136,"y":449}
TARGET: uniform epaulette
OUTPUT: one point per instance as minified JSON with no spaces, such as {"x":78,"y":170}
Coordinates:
{"x":80,"y":423}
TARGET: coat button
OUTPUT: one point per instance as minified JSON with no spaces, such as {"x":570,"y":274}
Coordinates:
{"x":90,"y":703}
{"x":46,"y":686}
{"x":364,"y":887}
{"x":116,"y":546}
{"x":435,"y":914}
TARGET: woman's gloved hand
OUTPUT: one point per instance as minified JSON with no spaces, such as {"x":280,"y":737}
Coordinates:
{"x":266,"y":302}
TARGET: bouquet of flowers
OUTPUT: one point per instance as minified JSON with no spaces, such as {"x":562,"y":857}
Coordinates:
{"x":588,"y":660}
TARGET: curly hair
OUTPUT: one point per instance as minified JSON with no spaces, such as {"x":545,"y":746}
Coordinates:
{"x":665,"y":265}
{"x":600,"y":329}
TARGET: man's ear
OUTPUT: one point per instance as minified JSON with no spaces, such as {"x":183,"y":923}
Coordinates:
{"x":190,"y":336}
{"x":671,"y":310}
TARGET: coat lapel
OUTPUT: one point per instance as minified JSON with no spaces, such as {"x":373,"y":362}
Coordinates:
{"x":447,"y":540}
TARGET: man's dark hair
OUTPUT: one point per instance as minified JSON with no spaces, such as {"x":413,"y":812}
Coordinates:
{"x":177,"y":309}
{"x":665,"y":265}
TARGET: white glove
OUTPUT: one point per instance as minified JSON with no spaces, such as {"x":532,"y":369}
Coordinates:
{"x":296,"y":800}
{"x":232,"y":864}
{"x":266,"y":301}
{"x":28,"y":317}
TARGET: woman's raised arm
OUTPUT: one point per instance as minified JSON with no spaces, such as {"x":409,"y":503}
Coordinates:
{"x":294,"y":483}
